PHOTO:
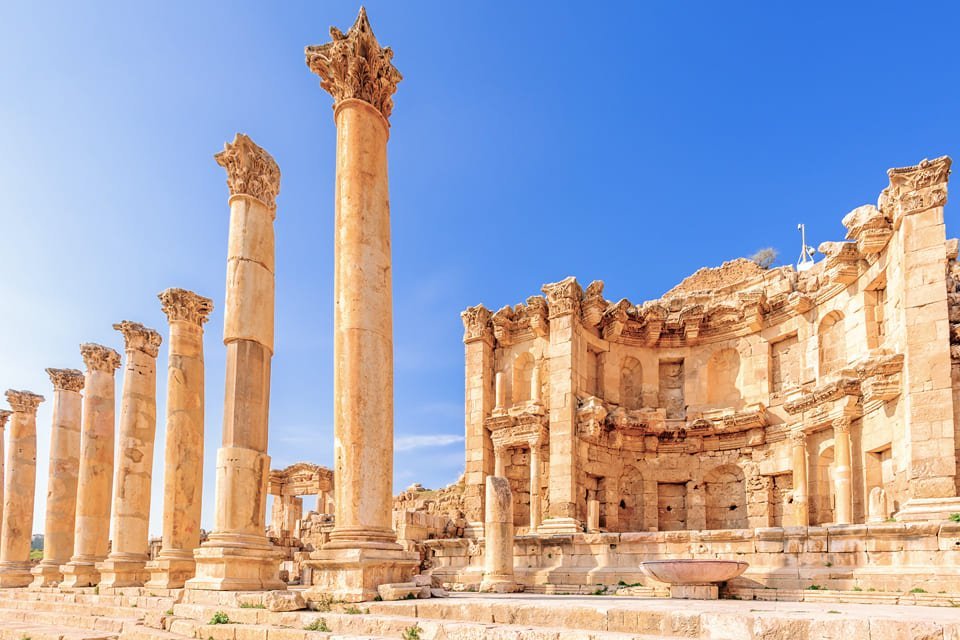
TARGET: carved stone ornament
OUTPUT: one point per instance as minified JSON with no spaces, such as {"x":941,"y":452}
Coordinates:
{"x":503,"y":323}
{"x":916,"y":188}
{"x":4,"y":416}
{"x":538,"y":314}
{"x":476,"y":323}
{"x":23,"y":401}
{"x":354,"y":65}
{"x":251,"y":171}
{"x":99,"y":358}
{"x":139,"y":338}
{"x":66,"y":379}
{"x":842,"y":425}
{"x":187,"y":306}
{"x":563,"y":298}
{"x":798,"y":438}
{"x":594,"y":303}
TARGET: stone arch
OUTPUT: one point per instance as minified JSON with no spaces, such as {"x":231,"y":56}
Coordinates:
{"x":631,"y":383}
{"x":630,"y":500}
{"x":522,"y":374}
{"x":725,"y":497}
{"x":723,"y":373}
{"x":833,"y":343}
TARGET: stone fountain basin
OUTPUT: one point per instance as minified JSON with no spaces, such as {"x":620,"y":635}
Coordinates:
{"x":693,"y":571}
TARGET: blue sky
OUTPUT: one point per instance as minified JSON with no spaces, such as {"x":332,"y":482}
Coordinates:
{"x":630,"y":142}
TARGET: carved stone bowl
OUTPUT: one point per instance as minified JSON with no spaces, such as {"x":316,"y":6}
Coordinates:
{"x":693,"y":571}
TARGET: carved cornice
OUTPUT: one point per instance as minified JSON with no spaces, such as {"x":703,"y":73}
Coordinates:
{"x":251,"y":171}
{"x":880,"y":379}
{"x":97,"y":357}
{"x":23,"y":401}
{"x":615,"y":319}
{"x":538,"y":314}
{"x":842,"y":261}
{"x":869,"y":228}
{"x":503,"y":324}
{"x":914,"y":189}
{"x":476,"y":324}
{"x":517,"y":431}
{"x":66,"y":379}
{"x":354,"y":65}
{"x":4,"y":416}
{"x":186,"y":306}
{"x":563,"y":298}
{"x":139,"y":338}
{"x":829,"y":392}
{"x":593,"y":304}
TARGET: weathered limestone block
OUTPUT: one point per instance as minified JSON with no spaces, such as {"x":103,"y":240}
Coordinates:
{"x":284,"y":601}
{"x":398,"y":591}
{"x":498,"y":537}
{"x":63,"y":476}
{"x":20,"y":484}
{"x":95,"y":481}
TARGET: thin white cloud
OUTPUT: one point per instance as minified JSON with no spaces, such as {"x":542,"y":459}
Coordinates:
{"x":409,"y":443}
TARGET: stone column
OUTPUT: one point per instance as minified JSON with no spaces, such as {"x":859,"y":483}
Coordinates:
{"x":363,"y":551}
{"x":238,"y":556}
{"x":535,"y":389}
{"x":500,"y":461}
{"x":534,"y":484}
{"x":4,"y":416}
{"x":95,"y":480}
{"x":126,"y":564}
{"x":183,"y":451}
{"x":842,"y":469}
{"x":479,"y":400}
{"x":62,"y":478}
{"x":20,"y":481}
{"x":801,"y":510}
{"x":593,"y":512}
{"x":500,"y":385}
{"x":498,"y":538}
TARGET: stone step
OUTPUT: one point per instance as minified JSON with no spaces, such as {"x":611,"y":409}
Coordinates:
{"x":89,"y":597}
{"x":12,"y":630}
{"x":74,"y":620}
{"x":71,"y":607}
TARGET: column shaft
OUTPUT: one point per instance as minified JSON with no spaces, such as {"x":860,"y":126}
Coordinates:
{"x":534,"y":485}
{"x":801,"y":511}
{"x":20,"y":481}
{"x":843,"y":487}
{"x":498,"y":538}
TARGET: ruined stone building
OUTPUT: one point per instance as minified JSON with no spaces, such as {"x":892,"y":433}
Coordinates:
{"x":743,"y":398}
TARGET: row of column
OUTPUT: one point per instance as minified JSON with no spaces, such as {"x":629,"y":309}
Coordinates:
{"x":841,"y":477}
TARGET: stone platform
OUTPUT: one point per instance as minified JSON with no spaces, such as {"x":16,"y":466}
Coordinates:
{"x":134,"y":615}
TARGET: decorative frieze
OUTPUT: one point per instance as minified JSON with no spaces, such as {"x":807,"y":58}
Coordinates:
{"x":251,"y":171}
{"x":355,"y":66}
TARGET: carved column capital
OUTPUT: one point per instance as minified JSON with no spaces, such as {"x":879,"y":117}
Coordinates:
{"x":564,"y":297}
{"x":139,"y":338}
{"x":476,"y":324}
{"x":4,"y":416}
{"x":23,"y":401}
{"x":798,"y":438}
{"x":251,"y":171}
{"x":842,"y":425}
{"x":355,"y":66}
{"x":97,"y":357}
{"x":186,"y":306}
{"x":917,"y":188}
{"x":66,"y":379}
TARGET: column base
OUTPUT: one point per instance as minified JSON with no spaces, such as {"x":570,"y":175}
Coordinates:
{"x":236,"y":562}
{"x":694,"y":591}
{"x":46,"y":574}
{"x":15,"y":574}
{"x":170,"y":572}
{"x":353,"y":575}
{"x":79,"y":574}
{"x":559,"y":526}
{"x":499,"y":584}
{"x":116,"y":572}
{"x":916,"y":509}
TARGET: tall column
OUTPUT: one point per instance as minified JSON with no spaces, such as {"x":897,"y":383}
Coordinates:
{"x":183,"y":451}
{"x":593,"y":511}
{"x":500,"y":384}
{"x":4,"y":416}
{"x":363,"y":550}
{"x":498,"y":538}
{"x":91,"y":537}
{"x":20,"y":481}
{"x":801,"y":509}
{"x":479,"y":400}
{"x":534,"y":484}
{"x":500,"y":460}
{"x":238,"y":556}
{"x":842,"y":469}
{"x":535,"y":389}
{"x":62,"y":479}
{"x":125,"y":566}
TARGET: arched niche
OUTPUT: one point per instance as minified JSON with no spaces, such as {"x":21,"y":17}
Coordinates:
{"x":725,"y":497}
{"x":630,"y":500}
{"x":631,"y":383}
{"x":833,"y":343}
{"x":522,"y":375}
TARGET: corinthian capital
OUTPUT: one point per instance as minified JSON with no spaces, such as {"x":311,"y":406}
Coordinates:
{"x":66,"y":379}
{"x":4,"y":415}
{"x":354,"y":65}
{"x":564,"y":297}
{"x":23,"y":401}
{"x":99,"y":358}
{"x":251,"y":171}
{"x":139,"y":338}
{"x":916,"y":188}
{"x":180,"y":304}
{"x":476,"y":324}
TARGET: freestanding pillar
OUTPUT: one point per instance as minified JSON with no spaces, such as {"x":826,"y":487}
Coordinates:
{"x":842,"y":485}
{"x":62,"y":479}
{"x":363,"y":551}
{"x":498,"y":538}
{"x":238,"y":556}
{"x":20,"y":481}
{"x":183,"y":454}
{"x":4,"y":416}
{"x":125,"y":566}
{"x":95,"y":481}
{"x":801,"y":509}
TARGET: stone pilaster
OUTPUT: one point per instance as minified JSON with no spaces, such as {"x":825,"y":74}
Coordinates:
{"x":95,"y":480}
{"x":125,"y":566}
{"x":479,"y":401}
{"x":842,"y":470}
{"x":563,"y":300}
{"x":238,"y":556}
{"x":798,"y":451}
{"x":363,"y":551}
{"x":20,"y":481}
{"x":62,"y":479}
{"x":183,"y":453}
{"x":498,"y":574}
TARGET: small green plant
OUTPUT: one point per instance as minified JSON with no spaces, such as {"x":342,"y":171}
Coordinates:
{"x":220,"y":618}
{"x":412,"y":633}
{"x":252,"y":605}
{"x":133,"y":606}
{"x":890,"y":520}
{"x":828,"y":564}
{"x":918,"y":590}
{"x":324,"y":603}
{"x":599,"y":591}
{"x":378,"y":598}
{"x":857,"y":589}
{"x":169,"y":612}
{"x":955,"y":517}
{"x":96,"y":590}
{"x":833,"y":611}
{"x":352,"y":610}
{"x":871,"y":589}
{"x":816,"y":587}
{"x":25,"y":637}
{"x":318,"y":625}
